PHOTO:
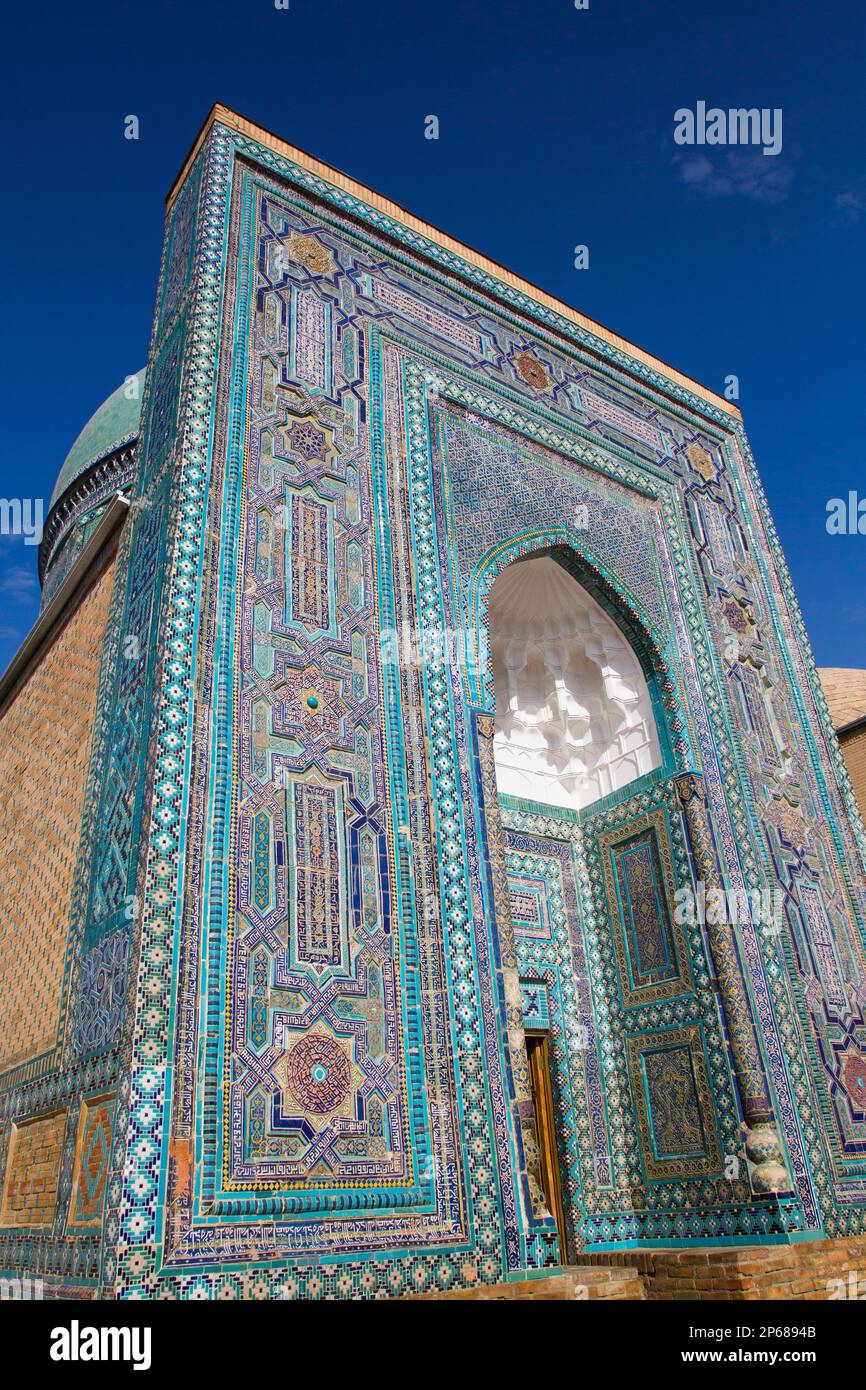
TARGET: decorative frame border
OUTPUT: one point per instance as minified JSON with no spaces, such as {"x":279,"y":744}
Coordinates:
{"x":665,"y":1040}
{"x":674,"y":985}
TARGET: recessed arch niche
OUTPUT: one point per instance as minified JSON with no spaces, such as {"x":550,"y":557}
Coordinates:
{"x":574,"y":715}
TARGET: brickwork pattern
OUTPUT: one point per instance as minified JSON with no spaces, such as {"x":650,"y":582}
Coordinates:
{"x":578,"y":1283}
{"x":822,"y":1270}
{"x":30,"y":1190}
{"x":813,"y":1270}
{"x":854,"y":753}
{"x":816,"y":1269}
{"x":44,"y":750}
{"x":845,"y":688}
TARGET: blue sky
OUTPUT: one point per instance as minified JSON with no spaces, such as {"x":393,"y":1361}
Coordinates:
{"x":556,"y":128}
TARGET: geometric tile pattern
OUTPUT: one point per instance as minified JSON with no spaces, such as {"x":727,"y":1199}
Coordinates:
{"x":674,"y":1104}
{"x":639,"y":884}
{"x":325,"y":541}
{"x":614,"y":1124}
{"x":92,"y":1152}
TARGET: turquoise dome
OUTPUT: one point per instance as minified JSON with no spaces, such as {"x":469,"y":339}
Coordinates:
{"x":116,"y":422}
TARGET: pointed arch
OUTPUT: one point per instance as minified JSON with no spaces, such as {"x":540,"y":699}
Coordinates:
{"x":639,"y":633}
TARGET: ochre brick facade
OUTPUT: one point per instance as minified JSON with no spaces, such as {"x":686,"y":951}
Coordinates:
{"x":30,"y":1189}
{"x":44,"y":752}
{"x":854,"y":753}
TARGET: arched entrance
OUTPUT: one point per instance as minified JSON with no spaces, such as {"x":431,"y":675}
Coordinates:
{"x":624,"y":1004}
{"x":575,"y":726}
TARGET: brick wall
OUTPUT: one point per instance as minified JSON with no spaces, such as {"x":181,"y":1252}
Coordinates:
{"x":825,"y":1270}
{"x":30,"y":1189}
{"x":809,"y":1269}
{"x":818,"y":1269}
{"x":854,"y":753}
{"x":44,"y":752}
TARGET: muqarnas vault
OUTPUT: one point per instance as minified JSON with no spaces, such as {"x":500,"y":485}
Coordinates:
{"x":418,"y":711}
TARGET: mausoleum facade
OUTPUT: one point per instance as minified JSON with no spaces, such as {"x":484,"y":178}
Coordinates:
{"x":427,"y":854}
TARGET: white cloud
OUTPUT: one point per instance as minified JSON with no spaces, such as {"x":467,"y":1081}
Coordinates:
{"x":19,"y":583}
{"x":736,"y":172}
{"x":850,"y":206}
